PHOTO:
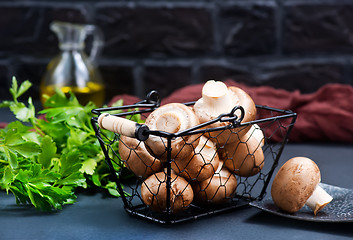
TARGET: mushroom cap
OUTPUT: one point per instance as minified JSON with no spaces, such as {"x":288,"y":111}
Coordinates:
{"x":136,"y":157}
{"x":245,"y":157}
{"x":201,"y":164}
{"x":217,"y":189}
{"x":246,"y":102}
{"x":172,"y":118}
{"x":154,"y":192}
{"x":206,"y":109}
{"x":294,"y":183}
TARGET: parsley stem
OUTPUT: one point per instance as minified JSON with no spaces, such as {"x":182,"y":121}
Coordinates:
{"x":4,"y":161}
{"x":34,"y":124}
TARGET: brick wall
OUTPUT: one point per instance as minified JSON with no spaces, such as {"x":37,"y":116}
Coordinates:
{"x":165,"y":45}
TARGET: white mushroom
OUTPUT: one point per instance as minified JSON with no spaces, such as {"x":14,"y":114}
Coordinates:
{"x":217,"y":189}
{"x":172,"y":118}
{"x":297,"y":184}
{"x":245,"y":157}
{"x":217,"y":99}
{"x":136,"y":157}
{"x":201,"y":164}
{"x":154,"y":192}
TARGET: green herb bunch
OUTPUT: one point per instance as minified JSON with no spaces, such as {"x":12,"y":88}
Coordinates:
{"x":46,"y":156}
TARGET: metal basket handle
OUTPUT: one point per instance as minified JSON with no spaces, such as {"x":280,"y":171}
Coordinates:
{"x":123,"y":126}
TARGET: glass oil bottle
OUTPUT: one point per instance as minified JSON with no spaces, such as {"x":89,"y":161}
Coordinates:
{"x":72,"y":70}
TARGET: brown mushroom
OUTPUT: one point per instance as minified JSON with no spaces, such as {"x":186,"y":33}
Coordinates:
{"x":245,"y":157}
{"x":217,"y":99}
{"x":297,"y":184}
{"x":136,"y":157}
{"x":154,"y":192}
{"x":172,"y":118}
{"x":217,"y":189}
{"x":201,"y":164}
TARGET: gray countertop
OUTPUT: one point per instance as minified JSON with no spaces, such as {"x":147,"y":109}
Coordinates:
{"x":97,"y":217}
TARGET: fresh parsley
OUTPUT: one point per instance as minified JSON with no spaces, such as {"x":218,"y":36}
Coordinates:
{"x":46,"y":156}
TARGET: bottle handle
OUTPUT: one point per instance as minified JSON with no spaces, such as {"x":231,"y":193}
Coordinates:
{"x":98,"y":41}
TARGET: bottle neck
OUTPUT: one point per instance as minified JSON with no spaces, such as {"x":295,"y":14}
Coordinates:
{"x":71,"y":46}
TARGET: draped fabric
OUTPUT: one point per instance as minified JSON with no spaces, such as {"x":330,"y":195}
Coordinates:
{"x":325,"y":115}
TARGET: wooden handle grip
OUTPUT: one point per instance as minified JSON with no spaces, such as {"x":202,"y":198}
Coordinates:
{"x":116,"y":124}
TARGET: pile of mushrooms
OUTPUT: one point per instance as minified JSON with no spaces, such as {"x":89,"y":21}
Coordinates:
{"x":203,"y":167}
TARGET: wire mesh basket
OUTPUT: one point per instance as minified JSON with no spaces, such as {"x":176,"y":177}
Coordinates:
{"x":169,"y":191}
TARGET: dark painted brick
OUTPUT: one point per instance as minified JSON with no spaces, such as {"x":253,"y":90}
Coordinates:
{"x":318,"y":28}
{"x":139,"y":31}
{"x":219,"y":72}
{"x":166,"y":79}
{"x":4,"y":81}
{"x":248,"y":30}
{"x":155,"y":32}
{"x":117,"y":79}
{"x":306,"y":77}
{"x":17,"y":27}
{"x":25,"y":29}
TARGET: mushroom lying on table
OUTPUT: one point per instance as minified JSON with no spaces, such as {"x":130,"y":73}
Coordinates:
{"x":297,"y":184}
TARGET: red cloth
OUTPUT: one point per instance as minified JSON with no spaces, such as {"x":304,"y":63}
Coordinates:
{"x":325,"y":115}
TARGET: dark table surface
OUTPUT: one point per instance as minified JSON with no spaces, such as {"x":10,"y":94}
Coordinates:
{"x":96,"y":217}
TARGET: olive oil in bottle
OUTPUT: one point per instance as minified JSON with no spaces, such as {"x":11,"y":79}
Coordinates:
{"x":93,"y":92}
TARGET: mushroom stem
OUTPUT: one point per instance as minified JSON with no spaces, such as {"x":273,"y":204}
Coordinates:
{"x":169,"y":122}
{"x":215,"y":95}
{"x":318,"y":200}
